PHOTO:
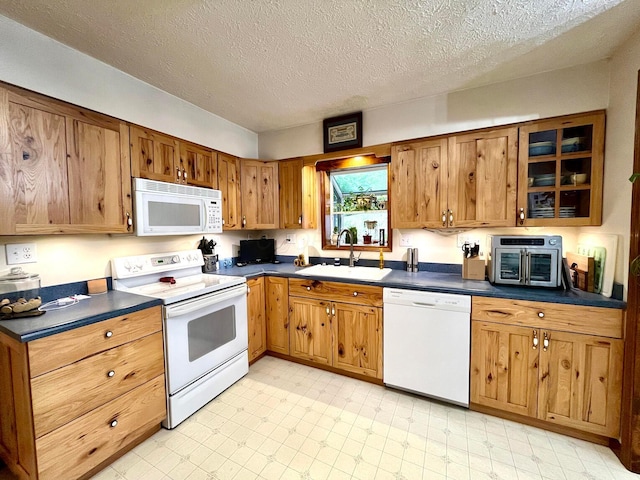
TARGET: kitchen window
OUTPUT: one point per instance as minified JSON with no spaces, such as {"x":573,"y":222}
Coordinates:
{"x":355,"y":195}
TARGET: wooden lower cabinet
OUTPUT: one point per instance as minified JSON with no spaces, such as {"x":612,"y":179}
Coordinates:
{"x":344,"y":334}
{"x":310,"y":332}
{"x":257,"y":326}
{"x":88,"y":399}
{"x":277,"y":313}
{"x":568,"y":378}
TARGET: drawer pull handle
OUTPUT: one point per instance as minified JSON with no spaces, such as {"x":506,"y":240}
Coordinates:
{"x":109,"y":334}
{"x":355,"y":294}
{"x":113,"y":423}
{"x":541,"y":314}
{"x":111,"y":373}
{"x":535,"y":340}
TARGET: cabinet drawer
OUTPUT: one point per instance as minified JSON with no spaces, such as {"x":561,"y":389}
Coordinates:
{"x":84,"y":443}
{"x":71,"y":391}
{"x":335,"y":291}
{"x":49,"y":353}
{"x":606,"y":322}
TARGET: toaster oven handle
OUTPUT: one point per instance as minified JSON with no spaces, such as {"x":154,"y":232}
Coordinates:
{"x":527,"y":267}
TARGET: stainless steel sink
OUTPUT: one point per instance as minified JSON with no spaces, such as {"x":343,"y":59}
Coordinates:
{"x":343,"y":271}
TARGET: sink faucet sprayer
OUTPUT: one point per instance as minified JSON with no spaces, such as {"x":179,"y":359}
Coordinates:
{"x":352,"y":258}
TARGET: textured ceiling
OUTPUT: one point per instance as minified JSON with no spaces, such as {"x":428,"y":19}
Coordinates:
{"x":272,"y":64}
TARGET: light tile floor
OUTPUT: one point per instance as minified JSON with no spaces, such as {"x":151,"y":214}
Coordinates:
{"x":289,"y":421}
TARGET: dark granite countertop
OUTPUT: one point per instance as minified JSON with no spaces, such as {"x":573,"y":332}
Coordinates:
{"x":444,"y":283}
{"x":85,"y":312}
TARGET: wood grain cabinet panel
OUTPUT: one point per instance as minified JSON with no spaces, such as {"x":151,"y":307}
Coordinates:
{"x":357,"y":334}
{"x":521,"y":364}
{"x":259,"y":193}
{"x":200,"y":165}
{"x":64,"y":169}
{"x":155,"y":156}
{"x":310,"y":329}
{"x":257,"y":326}
{"x":229,"y":186}
{"x":298,"y":194}
{"x":81,"y":445}
{"x":340,"y":292}
{"x":277,"y":313}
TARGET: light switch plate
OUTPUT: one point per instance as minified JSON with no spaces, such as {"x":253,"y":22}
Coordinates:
{"x":21,"y":253}
{"x":290,"y":238}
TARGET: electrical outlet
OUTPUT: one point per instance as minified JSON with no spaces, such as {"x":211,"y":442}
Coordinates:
{"x":406,"y":241}
{"x":21,"y":253}
{"x":462,"y":239}
{"x":290,"y":238}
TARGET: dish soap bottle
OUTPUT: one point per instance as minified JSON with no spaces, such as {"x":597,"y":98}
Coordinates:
{"x":381,"y":259}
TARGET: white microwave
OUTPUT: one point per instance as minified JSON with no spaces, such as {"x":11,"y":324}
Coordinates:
{"x":162,"y":208}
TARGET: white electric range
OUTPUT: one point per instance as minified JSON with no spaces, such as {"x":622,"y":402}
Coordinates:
{"x":204,"y":323}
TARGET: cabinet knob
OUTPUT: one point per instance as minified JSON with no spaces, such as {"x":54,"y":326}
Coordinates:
{"x":355,"y":294}
{"x":184,"y":175}
{"x":248,"y":289}
{"x":129,"y":221}
{"x":541,"y":314}
{"x":451,"y":218}
{"x":521,"y":215}
{"x":327,"y":310}
{"x":308,"y":289}
{"x":109,"y":334}
{"x":333,"y":311}
{"x":113,"y":423}
{"x":444,"y":218}
{"x":535,"y":339}
{"x":178,"y":175}
{"x":300,"y":220}
{"x":244,"y":220}
{"x":111,"y":373}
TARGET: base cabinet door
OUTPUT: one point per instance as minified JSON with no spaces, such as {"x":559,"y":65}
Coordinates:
{"x":277,"y":313}
{"x":357,"y":342}
{"x":504,"y":368}
{"x":580,"y":382}
{"x":310,"y":329}
{"x":257,"y":324}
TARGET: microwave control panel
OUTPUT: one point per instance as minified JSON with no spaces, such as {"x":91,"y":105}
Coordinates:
{"x":214,"y":216}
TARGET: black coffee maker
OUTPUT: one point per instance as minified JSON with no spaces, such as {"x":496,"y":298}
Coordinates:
{"x":210,"y":259}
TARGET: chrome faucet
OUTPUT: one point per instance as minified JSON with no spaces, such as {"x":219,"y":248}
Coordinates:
{"x":352,"y":258}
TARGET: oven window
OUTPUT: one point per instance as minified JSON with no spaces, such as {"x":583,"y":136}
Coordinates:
{"x":167,"y":214}
{"x":510,"y":266}
{"x":540,"y":267}
{"x":211,"y":331}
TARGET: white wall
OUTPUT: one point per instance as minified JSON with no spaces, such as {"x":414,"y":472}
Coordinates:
{"x":572,"y":90}
{"x":619,"y":149}
{"x":31,"y":60}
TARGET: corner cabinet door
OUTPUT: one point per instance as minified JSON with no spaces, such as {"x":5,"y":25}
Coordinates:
{"x":418,"y":184}
{"x":200,"y":165}
{"x":581,"y":382}
{"x":257,"y":325}
{"x":482,"y":179}
{"x":277,"y":312}
{"x":310,"y":329}
{"x":259,"y":193}
{"x":155,"y":156}
{"x":504,"y":367}
{"x":357,"y":339}
{"x":229,"y":186}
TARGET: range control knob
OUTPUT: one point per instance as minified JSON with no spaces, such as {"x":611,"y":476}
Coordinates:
{"x":175,"y":259}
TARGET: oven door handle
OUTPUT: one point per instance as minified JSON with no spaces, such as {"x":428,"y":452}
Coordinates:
{"x":205,"y":301}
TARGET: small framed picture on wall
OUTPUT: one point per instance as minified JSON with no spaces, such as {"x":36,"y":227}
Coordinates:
{"x":343,"y":132}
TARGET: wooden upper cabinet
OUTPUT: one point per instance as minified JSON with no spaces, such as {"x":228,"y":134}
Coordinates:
{"x":200,"y":165}
{"x":418,"y":184}
{"x":561,"y":165}
{"x":465,"y":180}
{"x":298,"y":194}
{"x":259,"y":192}
{"x":482,"y":179}
{"x":63,"y":169}
{"x":229,"y":185}
{"x":155,"y":156}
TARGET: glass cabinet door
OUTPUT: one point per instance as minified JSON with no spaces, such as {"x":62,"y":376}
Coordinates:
{"x":560,"y":171}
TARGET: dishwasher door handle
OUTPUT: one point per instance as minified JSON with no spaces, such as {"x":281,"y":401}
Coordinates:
{"x":421,"y":304}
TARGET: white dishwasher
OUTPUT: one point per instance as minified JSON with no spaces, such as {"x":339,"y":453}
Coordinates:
{"x":427,"y":343}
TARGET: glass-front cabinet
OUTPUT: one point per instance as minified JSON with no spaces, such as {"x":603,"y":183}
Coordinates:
{"x":560,"y":171}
